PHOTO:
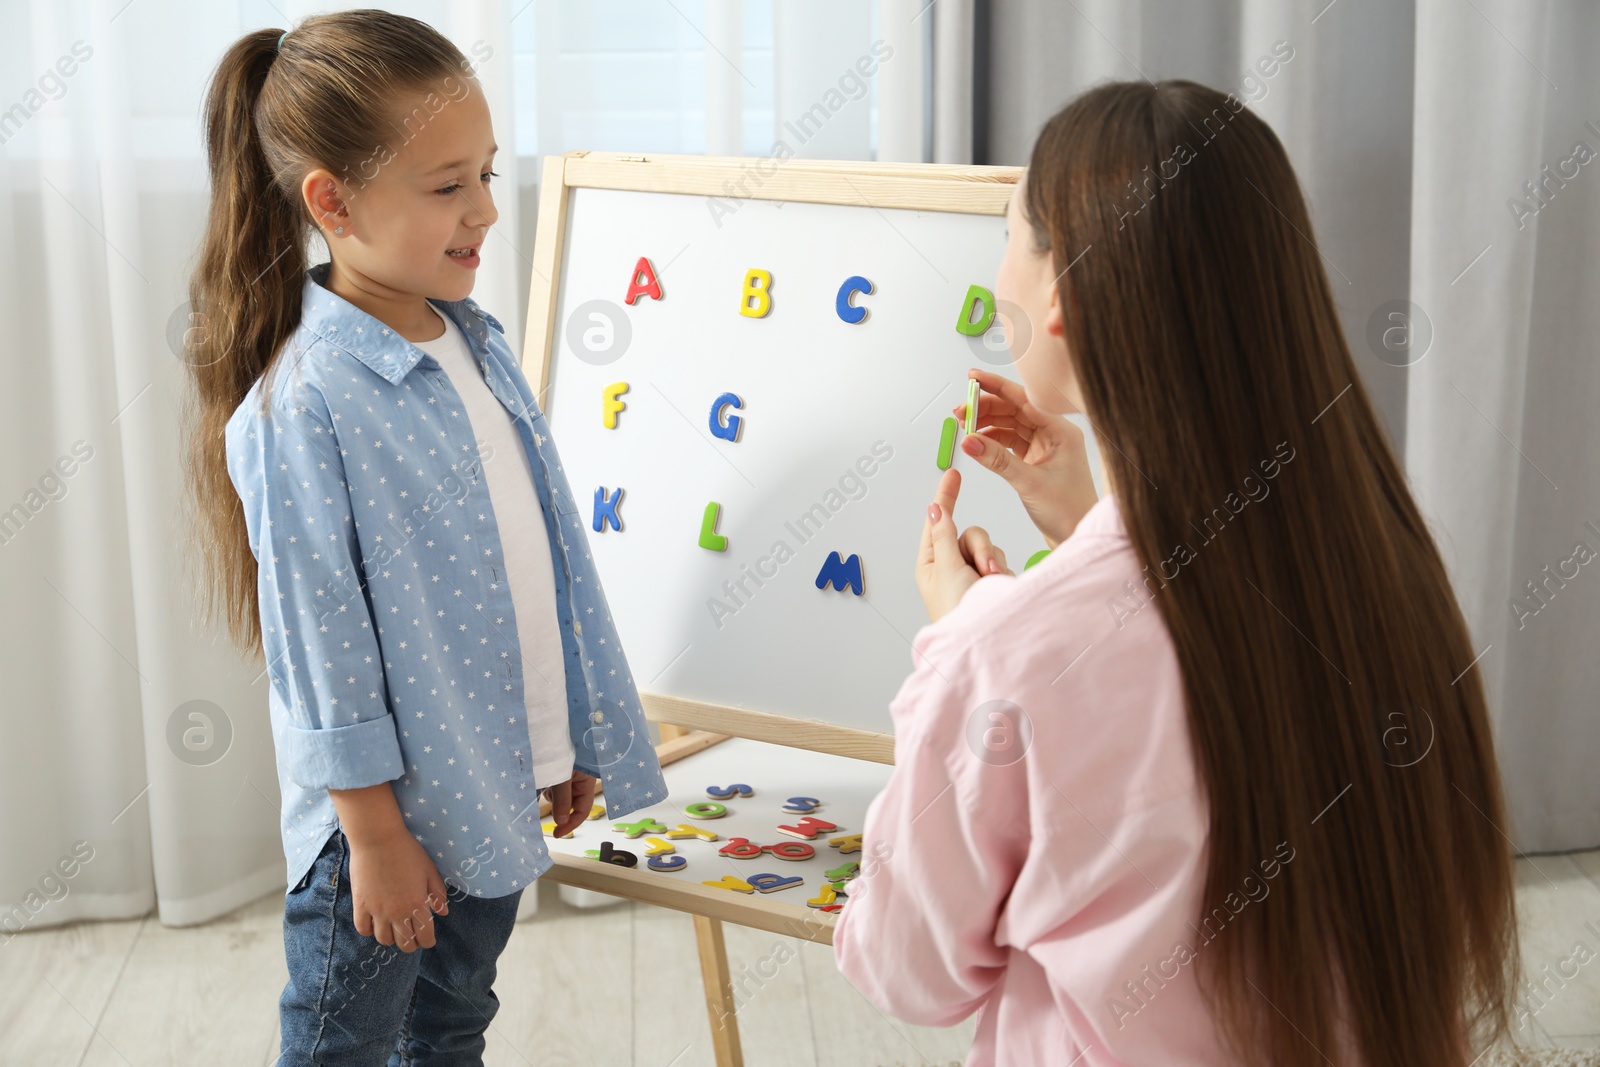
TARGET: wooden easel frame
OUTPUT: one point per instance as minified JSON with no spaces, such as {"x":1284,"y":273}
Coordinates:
{"x":689,"y":726}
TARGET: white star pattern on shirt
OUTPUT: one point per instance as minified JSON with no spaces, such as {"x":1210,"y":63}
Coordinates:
{"x":327,"y":577}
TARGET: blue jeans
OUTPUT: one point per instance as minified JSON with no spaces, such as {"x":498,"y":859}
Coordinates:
{"x":352,"y":1002}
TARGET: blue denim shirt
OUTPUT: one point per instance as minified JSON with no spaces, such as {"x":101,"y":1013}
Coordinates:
{"x":386,"y":619}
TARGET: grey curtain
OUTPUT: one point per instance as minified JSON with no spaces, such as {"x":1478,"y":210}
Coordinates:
{"x":1444,"y":146}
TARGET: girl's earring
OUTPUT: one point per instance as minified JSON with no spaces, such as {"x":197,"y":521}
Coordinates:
{"x":338,"y":229}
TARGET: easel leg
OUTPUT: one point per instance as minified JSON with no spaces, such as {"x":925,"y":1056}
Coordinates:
{"x":719,"y":992}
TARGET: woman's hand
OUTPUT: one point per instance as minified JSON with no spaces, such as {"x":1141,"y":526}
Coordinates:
{"x":948,"y":565}
{"x":571,"y":802}
{"x":395,"y":889}
{"x":1042,"y":456}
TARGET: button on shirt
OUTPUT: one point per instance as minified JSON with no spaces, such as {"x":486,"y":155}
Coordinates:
{"x":388,"y":624}
{"x":509,"y":477}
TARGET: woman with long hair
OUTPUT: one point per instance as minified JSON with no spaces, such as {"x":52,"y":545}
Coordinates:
{"x":1214,"y":781}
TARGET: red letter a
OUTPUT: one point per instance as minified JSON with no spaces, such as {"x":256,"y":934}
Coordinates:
{"x":649,"y":287}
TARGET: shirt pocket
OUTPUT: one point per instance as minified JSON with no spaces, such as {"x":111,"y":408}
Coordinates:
{"x":564,"y":503}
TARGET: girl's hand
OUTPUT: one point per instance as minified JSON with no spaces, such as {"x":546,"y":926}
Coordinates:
{"x":948,"y":565}
{"x":1042,"y":456}
{"x":395,"y":889}
{"x":571,"y":802}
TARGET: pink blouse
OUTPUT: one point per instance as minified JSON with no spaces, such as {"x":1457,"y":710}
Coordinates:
{"x":1039,"y":852}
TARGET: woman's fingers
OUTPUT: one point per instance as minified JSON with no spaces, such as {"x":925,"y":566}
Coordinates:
{"x":942,"y":513}
{"x":943,"y":573}
{"x":984,"y":555}
{"x":939,"y":531}
{"x":946,"y":492}
{"x":990,"y":407}
{"x":988,"y":417}
{"x":925,"y":546}
{"x":1008,"y":397}
{"x":998,"y":458}
{"x":1009,"y":438}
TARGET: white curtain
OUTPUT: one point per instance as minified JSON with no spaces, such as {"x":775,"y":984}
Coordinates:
{"x":136,"y":765}
{"x":1415,"y":128}
{"x":134,"y":746}
{"x":1503,"y":446}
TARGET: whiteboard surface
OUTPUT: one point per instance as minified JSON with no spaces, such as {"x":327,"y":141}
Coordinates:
{"x":818,"y":395}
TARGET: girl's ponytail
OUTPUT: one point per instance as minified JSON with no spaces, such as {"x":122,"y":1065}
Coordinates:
{"x":244,"y":302}
{"x":245,"y":294}
{"x":280,"y":105}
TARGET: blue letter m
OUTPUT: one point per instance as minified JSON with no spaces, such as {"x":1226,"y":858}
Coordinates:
{"x":841,"y":572}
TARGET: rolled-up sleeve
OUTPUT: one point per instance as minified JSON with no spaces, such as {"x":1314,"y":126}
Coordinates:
{"x":318,"y":634}
{"x":942,"y":845}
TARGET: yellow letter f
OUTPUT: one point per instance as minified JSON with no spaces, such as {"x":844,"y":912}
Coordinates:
{"x":610,"y":405}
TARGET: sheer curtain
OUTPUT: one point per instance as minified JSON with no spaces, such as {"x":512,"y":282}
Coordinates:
{"x":1504,"y":449}
{"x":1449,"y":152}
{"x":134,"y":746}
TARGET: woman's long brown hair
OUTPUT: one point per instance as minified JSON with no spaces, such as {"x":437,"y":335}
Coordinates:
{"x":331,"y":98}
{"x":1312,"y":621}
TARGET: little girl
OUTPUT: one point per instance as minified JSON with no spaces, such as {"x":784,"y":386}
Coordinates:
{"x":388,"y":521}
{"x":1213,"y":782}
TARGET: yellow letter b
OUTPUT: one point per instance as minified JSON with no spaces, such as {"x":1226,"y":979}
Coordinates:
{"x":756,"y":299}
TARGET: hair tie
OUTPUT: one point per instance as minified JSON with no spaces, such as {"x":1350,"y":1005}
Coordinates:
{"x":281,"y":36}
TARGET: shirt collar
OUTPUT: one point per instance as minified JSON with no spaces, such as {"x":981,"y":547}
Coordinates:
{"x":1104,"y":519}
{"x":353,"y":331}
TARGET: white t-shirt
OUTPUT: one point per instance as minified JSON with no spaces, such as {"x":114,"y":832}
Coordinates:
{"x":525,"y":546}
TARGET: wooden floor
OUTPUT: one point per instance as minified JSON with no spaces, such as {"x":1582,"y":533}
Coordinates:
{"x":610,"y":986}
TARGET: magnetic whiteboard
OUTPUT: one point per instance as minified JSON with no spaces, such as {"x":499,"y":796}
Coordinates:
{"x":836,"y":452}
